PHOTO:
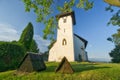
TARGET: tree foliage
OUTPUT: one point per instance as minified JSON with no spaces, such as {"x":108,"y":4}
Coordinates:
{"x":115,"y":19}
{"x":51,"y":44}
{"x":27,"y":40}
{"x":34,"y":47}
{"x":115,"y":38}
{"x":45,"y":11}
{"x":27,"y":36}
{"x":115,"y":54}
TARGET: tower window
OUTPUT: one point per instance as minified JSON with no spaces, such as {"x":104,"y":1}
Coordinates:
{"x":64,"y":19}
{"x":64,"y":42}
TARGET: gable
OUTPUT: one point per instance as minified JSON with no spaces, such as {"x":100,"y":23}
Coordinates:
{"x":85,"y":41}
{"x":23,"y":60}
{"x":32,"y":62}
{"x":26,"y":65}
{"x":64,"y":66}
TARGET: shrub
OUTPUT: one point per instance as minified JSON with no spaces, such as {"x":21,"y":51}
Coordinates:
{"x":10,"y":55}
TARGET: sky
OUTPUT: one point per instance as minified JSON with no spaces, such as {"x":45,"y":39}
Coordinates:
{"x":91,"y":25}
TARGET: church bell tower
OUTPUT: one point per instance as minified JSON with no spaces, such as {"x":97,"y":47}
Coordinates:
{"x":64,"y":45}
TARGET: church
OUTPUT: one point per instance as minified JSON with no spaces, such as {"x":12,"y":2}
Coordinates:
{"x":68,"y":44}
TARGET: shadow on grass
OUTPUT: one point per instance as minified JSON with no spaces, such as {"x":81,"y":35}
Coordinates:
{"x":78,"y":67}
{"x":51,"y":68}
{"x":87,"y":67}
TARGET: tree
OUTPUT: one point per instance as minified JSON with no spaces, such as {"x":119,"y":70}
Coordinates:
{"x":45,"y":11}
{"x":115,"y":54}
{"x":51,"y":44}
{"x":34,"y":47}
{"x":115,"y":19}
{"x":115,"y":38}
{"x":27,"y":36}
{"x":27,"y":39}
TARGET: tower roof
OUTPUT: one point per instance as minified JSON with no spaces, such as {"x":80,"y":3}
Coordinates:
{"x":66,"y":14}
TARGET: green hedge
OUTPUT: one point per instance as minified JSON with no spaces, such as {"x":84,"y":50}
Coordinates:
{"x":11,"y":53}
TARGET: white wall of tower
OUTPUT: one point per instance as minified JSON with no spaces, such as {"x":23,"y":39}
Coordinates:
{"x":65,"y":31}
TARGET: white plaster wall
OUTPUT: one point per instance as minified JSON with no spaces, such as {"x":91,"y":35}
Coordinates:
{"x":58,"y":51}
{"x":78,"y":44}
{"x":86,"y":56}
{"x":52,"y":53}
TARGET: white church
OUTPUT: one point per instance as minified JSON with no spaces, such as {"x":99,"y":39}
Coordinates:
{"x":68,"y":44}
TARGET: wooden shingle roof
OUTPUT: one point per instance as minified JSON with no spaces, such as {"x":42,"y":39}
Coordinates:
{"x":32,"y":62}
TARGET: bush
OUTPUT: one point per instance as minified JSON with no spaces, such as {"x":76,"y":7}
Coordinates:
{"x":11,"y":53}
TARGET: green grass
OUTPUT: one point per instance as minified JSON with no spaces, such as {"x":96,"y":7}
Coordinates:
{"x":83,"y":71}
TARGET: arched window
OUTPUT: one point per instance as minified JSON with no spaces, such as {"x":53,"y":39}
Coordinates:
{"x":64,"y":42}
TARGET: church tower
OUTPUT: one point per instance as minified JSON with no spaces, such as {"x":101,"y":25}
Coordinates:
{"x":64,"y":45}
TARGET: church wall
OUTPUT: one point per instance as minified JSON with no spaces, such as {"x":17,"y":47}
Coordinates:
{"x":86,"y":56}
{"x":52,"y":53}
{"x":79,"y":47}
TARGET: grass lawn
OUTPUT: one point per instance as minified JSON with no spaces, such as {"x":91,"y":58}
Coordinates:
{"x":83,"y":71}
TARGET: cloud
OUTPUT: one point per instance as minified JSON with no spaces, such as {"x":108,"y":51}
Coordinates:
{"x":42,"y":44}
{"x":8,"y":33}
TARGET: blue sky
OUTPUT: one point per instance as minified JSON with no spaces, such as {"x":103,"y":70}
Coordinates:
{"x":91,"y":25}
